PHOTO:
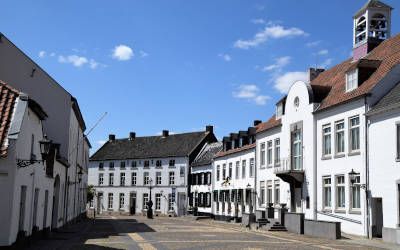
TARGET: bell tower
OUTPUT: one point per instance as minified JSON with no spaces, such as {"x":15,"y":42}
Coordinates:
{"x":372,"y":24}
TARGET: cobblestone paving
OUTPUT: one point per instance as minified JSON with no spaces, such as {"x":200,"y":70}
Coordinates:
{"x":179,"y":233}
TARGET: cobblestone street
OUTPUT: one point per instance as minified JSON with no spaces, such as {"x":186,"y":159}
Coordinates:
{"x":183,"y":233}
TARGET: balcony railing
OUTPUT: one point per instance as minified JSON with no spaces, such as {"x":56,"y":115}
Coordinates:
{"x":287,"y":165}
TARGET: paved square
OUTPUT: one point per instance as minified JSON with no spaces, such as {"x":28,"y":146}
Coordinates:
{"x":137,"y":232}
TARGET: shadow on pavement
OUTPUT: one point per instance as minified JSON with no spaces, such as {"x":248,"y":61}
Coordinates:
{"x":75,"y":236}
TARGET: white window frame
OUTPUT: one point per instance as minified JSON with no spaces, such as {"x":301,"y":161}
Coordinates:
{"x":262,"y":194}
{"x":121,"y":200}
{"x":277,"y":192}
{"x":262,"y":155}
{"x":269,"y":192}
{"x":122,"y":179}
{"x":110,"y":200}
{"x":172,"y":178}
{"x":352,"y":129}
{"x":269,"y":153}
{"x":356,"y":187}
{"x":351,"y":80}
{"x":252,"y":168}
{"x":230,"y":173}
{"x":134,"y":178}
{"x":145,"y":200}
{"x":243,"y":169}
{"x":218,"y":172}
{"x":341,"y":185}
{"x":277,"y":152}
{"x":146,"y":178}
{"x":326,"y":185}
{"x":237,"y":169}
{"x":111,"y":179}
{"x":158,"y":178}
{"x":325,"y":135}
{"x":170,"y":203}
{"x":158,"y":202}
{"x":101,"y":179}
{"x":337,"y":131}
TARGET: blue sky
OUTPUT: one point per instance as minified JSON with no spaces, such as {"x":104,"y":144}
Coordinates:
{"x":180,"y":65}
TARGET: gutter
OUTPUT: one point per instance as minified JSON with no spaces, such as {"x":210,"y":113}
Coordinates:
{"x":367,"y":169}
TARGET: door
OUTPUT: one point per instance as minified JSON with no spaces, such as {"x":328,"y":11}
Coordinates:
{"x":297,"y":200}
{"x":46,"y":201}
{"x":132,"y":204}
{"x":99,"y":203}
{"x":377,"y":217}
{"x":181,"y":204}
{"x":22,"y":205}
{"x":54,"y":218}
{"x":35,"y":207}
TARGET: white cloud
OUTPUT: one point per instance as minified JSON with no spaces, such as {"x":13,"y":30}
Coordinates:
{"x":225,"y":57}
{"x":42,"y":53}
{"x":251,"y":93}
{"x":101,"y":142}
{"x":313,"y":44}
{"x":279,"y":64}
{"x":75,"y":60}
{"x":269,"y":32}
{"x":93,"y":64}
{"x":285,"y":81}
{"x":52,"y":54}
{"x":323,"y":52}
{"x":326,"y":63}
{"x":122,"y":53}
{"x":143,"y":54}
{"x":258,"y":21}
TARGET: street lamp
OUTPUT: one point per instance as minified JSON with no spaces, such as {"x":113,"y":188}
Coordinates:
{"x":150,"y":203}
{"x":45,"y":146}
{"x":80,"y":175}
{"x":352,"y":176}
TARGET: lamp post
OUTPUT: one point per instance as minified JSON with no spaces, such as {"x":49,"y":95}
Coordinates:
{"x":45,"y":146}
{"x":150,"y":203}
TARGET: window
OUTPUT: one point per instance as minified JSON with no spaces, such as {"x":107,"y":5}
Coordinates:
{"x":158,"y":163}
{"x":327,"y":192}
{"x":182,"y":171}
{"x":171,"y":178}
{"x":158,"y":178}
{"x":269,"y":192}
{"x":122,"y":179}
{"x":237,"y":169}
{"x":277,"y":151}
{"x":269,"y":153}
{"x":326,"y":140}
{"x":158,"y":201}
{"x":296,"y":102}
{"x":171,"y":163}
{"x":111,"y":179}
{"x":218,"y":172}
{"x":146,"y":164}
{"x":243,"y":169}
{"x":223,"y":171}
{"x":134,"y":178}
{"x":355,"y":194}
{"x":146,"y":178}
{"x":340,"y":192}
{"x":230,"y":170}
{"x":297,"y":149}
{"x":111,"y":165}
{"x":133,"y":164}
{"x":101,"y":179}
{"x":351,"y":80}
{"x":170,"y":202}
{"x":145,"y":200}
{"x":398,"y":140}
{"x":110,"y":200}
{"x":262,"y":154}
{"x":252,"y":167}
{"x":354,"y":134}
{"x":209,"y":178}
{"x":122,"y":164}
{"x":339,"y":137}
{"x":262,"y":193}
{"x":101,"y":165}
{"x":121,"y":200}
{"x":277,"y":194}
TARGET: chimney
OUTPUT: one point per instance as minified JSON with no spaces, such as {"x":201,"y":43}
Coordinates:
{"x":209,"y":129}
{"x":313,"y":73}
{"x":111,"y":137}
{"x":132,"y":135}
{"x":165,"y":133}
{"x":256,"y":122}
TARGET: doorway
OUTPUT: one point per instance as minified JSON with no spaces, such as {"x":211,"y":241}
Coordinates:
{"x":22,"y":205}
{"x":376,"y":217}
{"x":99,"y":204}
{"x":181,"y":204}
{"x":46,"y":201}
{"x":56,"y":192}
{"x":132,"y":204}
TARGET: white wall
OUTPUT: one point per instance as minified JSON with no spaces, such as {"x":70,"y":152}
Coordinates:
{"x":202,"y":188}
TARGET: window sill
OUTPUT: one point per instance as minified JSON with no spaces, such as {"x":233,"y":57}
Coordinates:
{"x":339,"y":156}
{"x":355,"y":212}
{"x":135,"y":168}
{"x":111,"y":169}
{"x":146,"y":167}
{"x":327,"y":210}
{"x":277,"y":165}
{"x":158,"y":167}
{"x":340,"y":211}
{"x":101,"y":169}
{"x":354,"y":153}
{"x":326,"y":157}
{"x":397,"y":159}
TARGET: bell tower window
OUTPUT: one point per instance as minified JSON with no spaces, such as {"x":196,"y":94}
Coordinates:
{"x":378,"y":27}
{"x":361,"y":30}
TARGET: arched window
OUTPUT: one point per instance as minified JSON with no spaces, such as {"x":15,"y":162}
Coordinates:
{"x":378,"y":27}
{"x":361,"y":28}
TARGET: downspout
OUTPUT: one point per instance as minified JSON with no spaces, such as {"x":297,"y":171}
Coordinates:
{"x":367,"y":167}
{"x":65,"y":196}
{"x":76,"y":171}
{"x":315,"y":168}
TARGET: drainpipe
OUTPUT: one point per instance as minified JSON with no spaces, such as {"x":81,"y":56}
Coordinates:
{"x":76,"y":171}
{"x":367,"y":168}
{"x":315,"y":170}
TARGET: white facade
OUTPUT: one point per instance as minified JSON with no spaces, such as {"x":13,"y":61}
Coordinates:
{"x":235,"y":195}
{"x":168,"y":183}
{"x":201,"y":188}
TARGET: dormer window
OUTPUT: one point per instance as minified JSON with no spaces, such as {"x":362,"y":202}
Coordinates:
{"x":279,"y":110}
{"x":352,"y":80}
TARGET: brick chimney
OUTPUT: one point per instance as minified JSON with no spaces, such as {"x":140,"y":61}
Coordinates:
{"x":111,"y":137}
{"x":209,"y":129}
{"x":165,"y":133}
{"x":132,"y":135}
{"x":313,"y":73}
{"x":256,"y":122}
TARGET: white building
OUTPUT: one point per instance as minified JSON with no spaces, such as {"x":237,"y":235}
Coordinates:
{"x":325,"y":141}
{"x":201,"y":176}
{"x":234,"y":176}
{"x":27,"y":184}
{"x":126,"y":173}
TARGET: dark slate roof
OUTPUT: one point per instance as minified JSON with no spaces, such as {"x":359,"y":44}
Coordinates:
{"x":372,"y":4}
{"x":207,"y":154}
{"x":390,"y":101}
{"x":175,"y":145}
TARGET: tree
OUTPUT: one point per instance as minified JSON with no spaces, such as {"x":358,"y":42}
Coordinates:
{"x":90,"y":192}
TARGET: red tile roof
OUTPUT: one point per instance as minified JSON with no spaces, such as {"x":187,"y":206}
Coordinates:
{"x":236,"y":150}
{"x":8,"y":97}
{"x":388,"y":52}
{"x":271,"y":123}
